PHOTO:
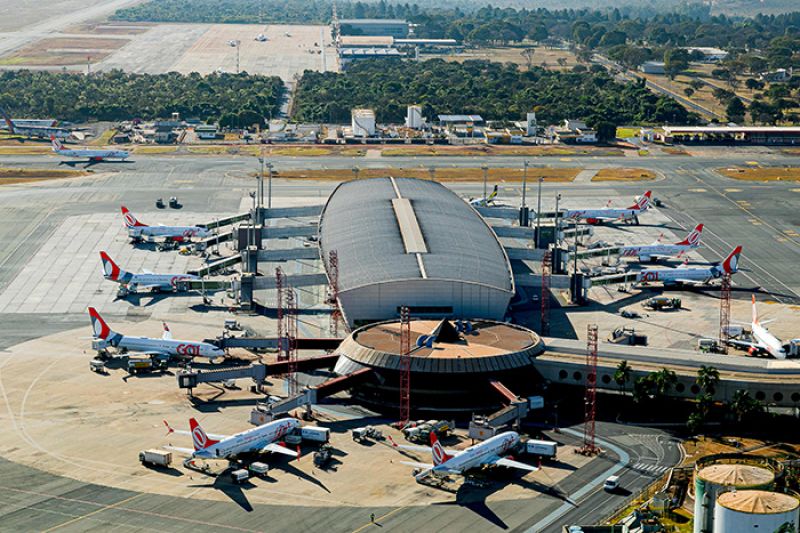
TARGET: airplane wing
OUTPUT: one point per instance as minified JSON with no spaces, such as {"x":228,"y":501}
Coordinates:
{"x":145,"y":271}
{"x":155,"y":353}
{"x":184,"y":451}
{"x":416,"y":465}
{"x":189,"y":433}
{"x":277,"y":448}
{"x":412,"y":448}
{"x":515,"y":464}
{"x":746,"y":345}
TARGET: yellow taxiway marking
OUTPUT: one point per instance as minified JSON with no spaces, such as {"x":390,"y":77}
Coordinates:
{"x":795,"y":190}
{"x":780,"y":239}
{"x":697,"y":190}
{"x":752,"y":163}
{"x":565,"y":159}
{"x":791,"y":233}
{"x":733,"y":190}
{"x":754,"y":221}
{"x":378,"y":519}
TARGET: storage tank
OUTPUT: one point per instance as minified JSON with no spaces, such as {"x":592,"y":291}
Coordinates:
{"x":710,"y":481}
{"x":531,"y":125}
{"x":414,"y":117}
{"x":363,"y":122}
{"x":761,"y":511}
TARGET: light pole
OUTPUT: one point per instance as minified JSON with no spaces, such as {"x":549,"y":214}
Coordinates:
{"x":524,"y":182}
{"x":558,"y":222}
{"x":485,"y":178}
{"x":538,"y":213}
{"x":236,"y":43}
{"x":269,"y":193}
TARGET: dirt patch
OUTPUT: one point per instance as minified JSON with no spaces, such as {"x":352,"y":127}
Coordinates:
{"x":542,"y":57}
{"x":109,"y":28}
{"x":670,"y":150}
{"x":441,"y":174}
{"x":10,"y":176}
{"x":79,"y":43}
{"x":28,"y":149}
{"x":63,"y":51}
{"x":27,"y":57}
{"x":484,"y":150}
{"x":762,"y":174}
{"x":624,"y":174}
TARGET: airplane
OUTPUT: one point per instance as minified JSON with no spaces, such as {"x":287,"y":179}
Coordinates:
{"x":651,"y":252}
{"x":41,"y":132}
{"x":261,"y":439}
{"x":487,"y":453}
{"x":93,"y":156}
{"x":139,"y":231}
{"x":165,"y":346}
{"x":763,"y":340}
{"x":261,"y":38}
{"x":691,"y":275}
{"x":486,"y":201}
{"x":145,"y":280}
{"x":608,"y":214}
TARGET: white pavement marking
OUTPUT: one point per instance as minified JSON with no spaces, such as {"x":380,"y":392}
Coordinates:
{"x":624,"y":459}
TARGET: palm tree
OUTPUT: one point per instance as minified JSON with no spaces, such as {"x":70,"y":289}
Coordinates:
{"x":707,"y":378}
{"x":663,"y":380}
{"x":622,"y":375}
{"x":743,"y":405}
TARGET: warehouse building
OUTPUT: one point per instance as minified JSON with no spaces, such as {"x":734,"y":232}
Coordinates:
{"x":380,"y":27}
{"x":415,"y":243}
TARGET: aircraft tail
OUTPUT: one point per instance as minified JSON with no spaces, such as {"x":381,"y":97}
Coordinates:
{"x":199,"y":437}
{"x":56,"y":144}
{"x":731,"y":263}
{"x":111,"y":270}
{"x":693,"y":239}
{"x":643,"y":202}
{"x":8,"y":120}
{"x":755,"y":311}
{"x":130,"y":219}
{"x":439,"y":455}
{"x":99,"y":326}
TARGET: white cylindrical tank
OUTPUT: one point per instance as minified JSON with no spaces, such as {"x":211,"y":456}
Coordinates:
{"x":714,"y":479}
{"x":755,"y":511}
{"x":414,"y":117}
{"x":363,"y":122}
{"x":531,"y":125}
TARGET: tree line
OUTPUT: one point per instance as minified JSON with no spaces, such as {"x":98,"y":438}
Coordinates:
{"x":494,"y":90}
{"x":233,"y":99}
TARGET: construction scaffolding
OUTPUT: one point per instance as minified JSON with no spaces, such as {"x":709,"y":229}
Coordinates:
{"x":590,"y":396}
{"x":724,"y":313}
{"x":544,"y":321}
{"x":333,"y":292}
{"x":405,"y":366}
{"x":291,"y":341}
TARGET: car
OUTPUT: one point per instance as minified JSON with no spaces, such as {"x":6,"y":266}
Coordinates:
{"x":611,"y":483}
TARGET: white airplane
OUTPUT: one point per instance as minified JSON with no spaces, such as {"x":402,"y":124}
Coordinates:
{"x":651,"y":252}
{"x":487,"y":453}
{"x":608,"y":214}
{"x":165,"y":346}
{"x":261,"y":38}
{"x":486,"y":201}
{"x":261,"y":439}
{"x":94,"y":156}
{"x":139,"y":231}
{"x":763,"y":340}
{"x":691,"y":275}
{"x":35,"y":130}
{"x":145,"y":280}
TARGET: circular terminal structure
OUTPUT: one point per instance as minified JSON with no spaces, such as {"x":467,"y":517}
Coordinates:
{"x":453,"y":363}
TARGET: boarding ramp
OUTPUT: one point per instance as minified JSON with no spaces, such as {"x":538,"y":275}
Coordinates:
{"x":295,"y":281}
{"x":222,"y":222}
{"x":291,"y":212}
{"x":288,"y":254}
{"x":258,"y":372}
{"x":219,"y":264}
{"x":287,"y":232}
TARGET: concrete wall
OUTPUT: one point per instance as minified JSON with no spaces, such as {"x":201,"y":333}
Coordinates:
{"x":379,"y":302}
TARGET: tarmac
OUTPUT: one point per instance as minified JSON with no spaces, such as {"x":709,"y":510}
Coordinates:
{"x":72,"y":436}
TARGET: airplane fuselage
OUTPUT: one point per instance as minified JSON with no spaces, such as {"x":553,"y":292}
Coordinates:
{"x":602,"y":215}
{"x":252,"y":440}
{"x":172,"y":347}
{"x":771,"y":344}
{"x":154,"y":281}
{"x":95,"y":155}
{"x":168,"y":232}
{"x":480,"y":454}
{"x":649,"y":251}
{"x":669,"y":276}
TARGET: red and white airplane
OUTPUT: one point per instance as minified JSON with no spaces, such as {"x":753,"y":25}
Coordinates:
{"x":261,"y":439}
{"x":145,"y":280}
{"x":491,"y":452}
{"x":762,"y":340}
{"x":691,"y":275}
{"x":165,"y":346}
{"x":139,"y":231}
{"x":651,"y":252}
{"x":610,"y":214}
{"x":94,"y":156}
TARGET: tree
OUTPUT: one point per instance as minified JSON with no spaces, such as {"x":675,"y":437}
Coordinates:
{"x":742,"y":405}
{"x":676,"y":60}
{"x":707,"y":378}
{"x":663,"y":380}
{"x":735,"y":110}
{"x":694,"y":423}
{"x":688,"y":91}
{"x":622,"y":375}
{"x":606,"y":131}
{"x":753,"y":84}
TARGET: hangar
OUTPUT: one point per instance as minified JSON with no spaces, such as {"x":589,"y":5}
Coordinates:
{"x":415,"y":243}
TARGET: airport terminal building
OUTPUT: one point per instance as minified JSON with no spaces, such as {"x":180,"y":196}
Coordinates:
{"x":410,"y":242}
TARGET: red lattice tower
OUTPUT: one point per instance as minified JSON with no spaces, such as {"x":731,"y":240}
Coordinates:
{"x":291,"y":339}
{"x":724,"y":313}
{"x":544,"y":321}
{"x":280,"y":281}
{"x":590,"y":397}
{"x":333,"y":296}
{"x":405,"y":366}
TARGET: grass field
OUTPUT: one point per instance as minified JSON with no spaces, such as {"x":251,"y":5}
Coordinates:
{"x":487,"y":150}
{"x":762,"y":174}
{"x":542,"y":57}
{"x":154,"y":149}
{"x":10,"y":176}
{"x":24,"y":149}
{"x":441,"y":174}
{"x":624,"y":174}
{"x":627,"y":133}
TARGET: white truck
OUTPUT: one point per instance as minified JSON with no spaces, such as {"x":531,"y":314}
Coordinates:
{"x":155,"y":458}
{"x":259,"y":469}
{"x":240,"y":476}
{"x":315,"y":434}
{"x":543,"y":448}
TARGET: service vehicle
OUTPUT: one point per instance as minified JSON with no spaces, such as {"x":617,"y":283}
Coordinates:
{"x":155,"y":458}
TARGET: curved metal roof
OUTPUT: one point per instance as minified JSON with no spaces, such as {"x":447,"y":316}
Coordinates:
{"x":370,"y":224}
